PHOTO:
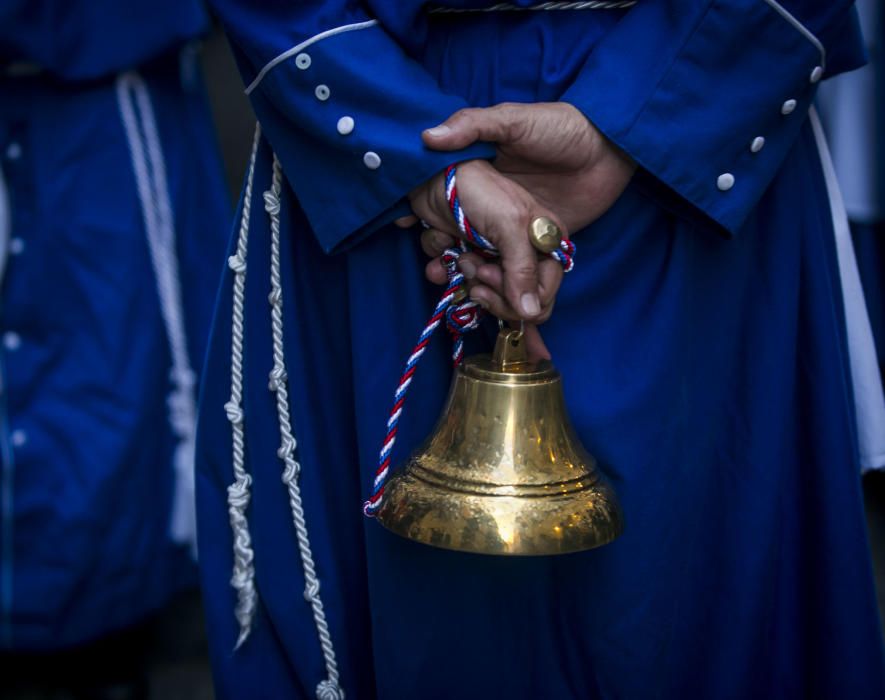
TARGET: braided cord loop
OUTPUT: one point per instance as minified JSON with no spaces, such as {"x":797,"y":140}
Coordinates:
{"x":461,"y":315}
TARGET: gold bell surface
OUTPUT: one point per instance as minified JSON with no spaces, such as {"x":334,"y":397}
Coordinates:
{"x":503,"y":472}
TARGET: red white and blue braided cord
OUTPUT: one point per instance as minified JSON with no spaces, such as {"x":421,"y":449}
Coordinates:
{"x":460,"y":317}
{"x":564,"y":255}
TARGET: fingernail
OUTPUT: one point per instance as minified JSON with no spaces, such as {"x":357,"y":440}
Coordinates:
{"x":467,"y":268}
{"x":440,"y":130}
{"x":530,"y":304}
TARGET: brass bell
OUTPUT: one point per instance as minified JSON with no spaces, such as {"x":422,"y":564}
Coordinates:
{"x":504,"y":472}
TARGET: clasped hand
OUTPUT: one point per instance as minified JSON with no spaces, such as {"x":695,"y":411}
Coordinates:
{"x":551,"y":161}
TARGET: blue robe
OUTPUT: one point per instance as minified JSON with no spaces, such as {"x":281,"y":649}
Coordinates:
{"x":854,"y":112}
{"x":106,"y":300}
{"x":853,"y":108}
{"x":701,"y":337}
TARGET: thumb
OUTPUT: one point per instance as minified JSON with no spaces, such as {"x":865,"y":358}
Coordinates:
{"x":499,"y":124}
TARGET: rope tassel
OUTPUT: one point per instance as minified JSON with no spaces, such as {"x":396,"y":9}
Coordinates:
{"x":460,"y":316}
{"x":149,"y":168}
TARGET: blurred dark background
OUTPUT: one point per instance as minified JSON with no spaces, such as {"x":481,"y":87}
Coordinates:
{"x":233,"y":115}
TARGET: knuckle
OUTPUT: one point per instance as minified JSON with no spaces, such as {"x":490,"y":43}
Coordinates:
{"x":513,"y":123}
{"x":440,"y":241}
{"x":523,"y":270}
{"x":521,"y":214}
{"x":463,"y":114}
{"x":513,"y":130}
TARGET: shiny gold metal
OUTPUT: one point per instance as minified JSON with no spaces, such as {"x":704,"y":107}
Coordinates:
{"x":504,"y":472}
{"x":545,"y":234}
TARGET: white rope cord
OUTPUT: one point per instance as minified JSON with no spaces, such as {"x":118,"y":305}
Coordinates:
{"x":508,"y":7}
{"x":150,"y":176}
{"x":243,"y":577}
{"x":329,"y":688}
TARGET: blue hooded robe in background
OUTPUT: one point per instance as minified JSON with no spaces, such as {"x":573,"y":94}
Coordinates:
{"x":701,"y":337}
{"x":113,"y":215}
{"x":853,"y":108}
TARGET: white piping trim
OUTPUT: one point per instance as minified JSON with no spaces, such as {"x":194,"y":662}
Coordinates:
{"x":869,"y":401}
{"x":801,"y":28}
{"x":288,"y":53}
{"x":153,"y":192}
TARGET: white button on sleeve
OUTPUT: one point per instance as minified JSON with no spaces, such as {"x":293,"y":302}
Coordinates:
{"x":18,"y":438}
{"x":302,"y":60}
{"x":14,"y":151}
{"x":788,"y":106}
{"x":345,"y":125}
{"x":17,"y":246}
{"x":816,"y":74}
{"x":12,"y":340}
{"x":758,"y":144}
{"x":322,"y":92}
{"x":725,"y":181}
{"x":372,"y":160}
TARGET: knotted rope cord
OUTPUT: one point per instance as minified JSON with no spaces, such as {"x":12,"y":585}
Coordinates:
{"x":329,"y":688}
{"x":153,"y":192}
{"x":461,"y":314}
{"x":243,"y":577}
{"x":507,"y":7}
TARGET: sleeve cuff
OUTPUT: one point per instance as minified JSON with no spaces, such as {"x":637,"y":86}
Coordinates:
{"x":713,"y":103}
{"x":345,"y":118}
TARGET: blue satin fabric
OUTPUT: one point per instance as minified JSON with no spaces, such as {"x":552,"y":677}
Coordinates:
{"x":707,"y":373}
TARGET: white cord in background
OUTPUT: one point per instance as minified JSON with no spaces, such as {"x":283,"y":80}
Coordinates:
{"x":149,"y":167}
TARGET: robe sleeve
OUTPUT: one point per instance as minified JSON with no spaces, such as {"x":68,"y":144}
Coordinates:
{"x":709,"y":96}
{"x":343,"y":107}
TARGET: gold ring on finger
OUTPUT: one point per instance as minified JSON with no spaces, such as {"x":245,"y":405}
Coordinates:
{"x":545,"y":235}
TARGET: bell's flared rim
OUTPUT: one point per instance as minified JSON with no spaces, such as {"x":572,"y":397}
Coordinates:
{"x":440,"y":517}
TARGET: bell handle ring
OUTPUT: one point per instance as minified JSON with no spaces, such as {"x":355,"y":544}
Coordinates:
{"x":510,"y":351}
